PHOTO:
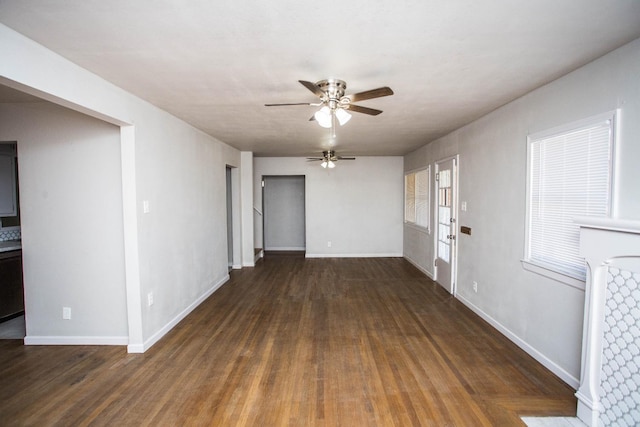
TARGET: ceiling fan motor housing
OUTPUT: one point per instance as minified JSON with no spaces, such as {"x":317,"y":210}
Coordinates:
{"x":329,"y":155}
{"x":334,"y":90}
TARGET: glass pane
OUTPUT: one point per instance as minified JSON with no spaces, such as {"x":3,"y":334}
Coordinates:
{"x":445,"y":178}
{"x":443,"y":232}
{"x":443,"y":251}
{"x":444,"y":216}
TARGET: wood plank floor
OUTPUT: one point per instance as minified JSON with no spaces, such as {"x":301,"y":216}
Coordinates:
{"x":296,"y":342}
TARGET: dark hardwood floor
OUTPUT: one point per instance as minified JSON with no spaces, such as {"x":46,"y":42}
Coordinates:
{"x":294,"y":341}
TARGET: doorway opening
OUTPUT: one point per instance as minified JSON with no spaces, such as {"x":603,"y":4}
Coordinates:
{"x":12,"y":322}
{"x":283,"y":208}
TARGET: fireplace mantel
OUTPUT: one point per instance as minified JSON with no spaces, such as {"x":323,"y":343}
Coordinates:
{"x":604,"y":243}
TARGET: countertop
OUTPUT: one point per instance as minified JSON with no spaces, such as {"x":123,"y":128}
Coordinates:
{"x":10,"y":245}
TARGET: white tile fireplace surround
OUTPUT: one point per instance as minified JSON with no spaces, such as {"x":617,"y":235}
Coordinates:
{"x":609,"y":393}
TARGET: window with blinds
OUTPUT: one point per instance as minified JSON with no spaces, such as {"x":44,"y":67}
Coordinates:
{"x":570,"y":174}
{"x":416,"y":197}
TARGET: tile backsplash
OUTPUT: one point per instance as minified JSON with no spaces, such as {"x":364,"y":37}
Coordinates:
{"x":12,"y":234}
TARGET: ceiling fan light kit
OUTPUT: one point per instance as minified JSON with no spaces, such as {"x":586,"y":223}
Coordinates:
{"x":334,"y":105}
{"x":329,"y":159}
{"x":342,"y":116}
{"x":323,"y":117}
{"x":328,"y":164}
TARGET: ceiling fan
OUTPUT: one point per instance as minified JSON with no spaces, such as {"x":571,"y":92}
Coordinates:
{"x":329,"y":159}
{"x":335,"y":103}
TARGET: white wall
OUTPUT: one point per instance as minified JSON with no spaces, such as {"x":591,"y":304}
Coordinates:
{"x":71,"y":213}
{"x":358,"y":206}
{"x":181,"y":172}
{"x":543,"y":316}
{"x":177,"y":251}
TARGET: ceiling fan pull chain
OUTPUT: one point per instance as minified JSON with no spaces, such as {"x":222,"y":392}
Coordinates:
{"x":333,"y":124}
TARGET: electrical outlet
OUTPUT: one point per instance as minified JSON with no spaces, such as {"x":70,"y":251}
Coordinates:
{"x":329,"y":244}
{"x":66,"y":313}
{"x":145,"y":206}
{"x":475,"y":286}
{"x":150,"y":299}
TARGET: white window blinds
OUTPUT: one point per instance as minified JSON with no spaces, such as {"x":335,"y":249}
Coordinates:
{"x":570,"y":176}
{"x":416,"y":197}
{"x":422,"y":198}
{"x":410,"y":197}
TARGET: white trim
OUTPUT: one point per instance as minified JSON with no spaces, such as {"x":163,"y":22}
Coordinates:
{"x":418,"y":169}
{"x":424,"y":228}
{"x":75,"y":340}
{"x":545,"y":361}
{"x":575,"y":125}
{"x":613,"y":224}
{"x":418,"y":228}
{"x":236,"y":267}
{"x":135,"y":348}
{"x":552,"y":274}
{"x":419,"y":267}
{"x":286,"y":248}
{"x":587,"y":410}
{"x":613,"y":117}
{"x":387,"y":255}
{"x":130,"y":234}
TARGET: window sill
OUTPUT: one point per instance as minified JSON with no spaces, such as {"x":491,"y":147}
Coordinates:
{"x":562,"y":278}
{"x":417,"y":227}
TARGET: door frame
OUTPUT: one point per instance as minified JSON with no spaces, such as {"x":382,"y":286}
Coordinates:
{"x":262,"y":185}
{"x":233,"y":226}
{"x":454,"y":211}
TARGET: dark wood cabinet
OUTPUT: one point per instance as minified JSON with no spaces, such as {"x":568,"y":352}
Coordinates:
{"x":11,"y":290}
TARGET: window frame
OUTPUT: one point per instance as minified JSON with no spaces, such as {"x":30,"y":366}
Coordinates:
{"x":545,"y":269}
{"x":427,"y":209}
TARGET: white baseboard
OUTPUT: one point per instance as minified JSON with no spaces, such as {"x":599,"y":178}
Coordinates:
{"x":419,"y":267}
{"x":286,"y":248}
{"x":136,"y":348}
{"x":546,"y":362}
{"x":75,"y":340}
{"x":389,"y":255}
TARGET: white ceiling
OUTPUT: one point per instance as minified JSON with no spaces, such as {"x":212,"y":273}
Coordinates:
{"x":215,"y":63}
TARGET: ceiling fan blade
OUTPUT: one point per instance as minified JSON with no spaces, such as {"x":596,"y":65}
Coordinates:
{"x":313,"y":159}
{"x":313,"y":88}
{"x":283,"y":105}
{"x":345,"y":158}
{"x":365,"y":110}
{"x":370,"y":94}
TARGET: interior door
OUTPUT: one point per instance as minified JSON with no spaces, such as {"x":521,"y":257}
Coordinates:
{"x":446,"y":183}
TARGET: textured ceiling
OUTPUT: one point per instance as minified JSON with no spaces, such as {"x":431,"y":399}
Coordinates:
{"x":216,"y":63}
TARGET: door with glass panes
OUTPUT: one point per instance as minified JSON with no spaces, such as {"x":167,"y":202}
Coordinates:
{"x":446,"y":185}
